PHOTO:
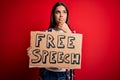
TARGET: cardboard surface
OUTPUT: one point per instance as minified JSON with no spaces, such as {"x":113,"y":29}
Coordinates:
{"x":55,"y":49}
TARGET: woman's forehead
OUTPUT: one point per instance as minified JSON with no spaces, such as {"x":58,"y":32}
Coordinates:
{"x":60,"y":7}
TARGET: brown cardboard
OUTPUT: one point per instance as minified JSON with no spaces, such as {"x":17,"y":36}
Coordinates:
{"x":55,"y":49}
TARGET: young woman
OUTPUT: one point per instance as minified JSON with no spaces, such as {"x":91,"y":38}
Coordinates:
{"x":58,"y":23}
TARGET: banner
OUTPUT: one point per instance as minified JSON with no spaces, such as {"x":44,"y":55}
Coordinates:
{"x":55,"y":49}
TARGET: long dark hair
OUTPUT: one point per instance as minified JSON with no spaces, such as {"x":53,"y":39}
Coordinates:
{"x":52,"y":18}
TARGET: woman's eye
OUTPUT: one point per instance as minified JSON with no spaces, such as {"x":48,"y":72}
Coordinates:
{"x":57,"y":12}
{"x":64,"y":12}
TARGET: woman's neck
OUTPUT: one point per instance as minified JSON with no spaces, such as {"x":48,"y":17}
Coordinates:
{"x":56,"y":28}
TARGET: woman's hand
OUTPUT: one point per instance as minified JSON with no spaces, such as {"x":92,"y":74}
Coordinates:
{"x":63,"y":26}
{"x":29,"y":50}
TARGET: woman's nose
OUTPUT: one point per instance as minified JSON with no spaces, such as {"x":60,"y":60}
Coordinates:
{"x":61,"y":14}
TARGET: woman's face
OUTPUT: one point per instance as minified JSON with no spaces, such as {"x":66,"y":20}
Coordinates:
{"x":60,"y":14}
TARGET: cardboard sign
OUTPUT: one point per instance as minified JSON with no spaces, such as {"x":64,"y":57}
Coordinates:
{"x":55,"y":49}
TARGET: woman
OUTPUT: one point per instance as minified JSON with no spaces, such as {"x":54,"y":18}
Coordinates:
{"x":58,"y":23}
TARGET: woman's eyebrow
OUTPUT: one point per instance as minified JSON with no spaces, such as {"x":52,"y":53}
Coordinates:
{"x":57,"y":11}
{"x":63,"y":10}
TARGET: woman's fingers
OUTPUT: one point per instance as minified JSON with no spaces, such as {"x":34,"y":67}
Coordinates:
{"x":29,"y":50}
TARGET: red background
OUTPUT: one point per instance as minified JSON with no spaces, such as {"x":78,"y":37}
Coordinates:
{"x":97,"y":20}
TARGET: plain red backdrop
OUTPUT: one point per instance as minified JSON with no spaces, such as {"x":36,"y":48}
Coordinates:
{"x":97,"y":20}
